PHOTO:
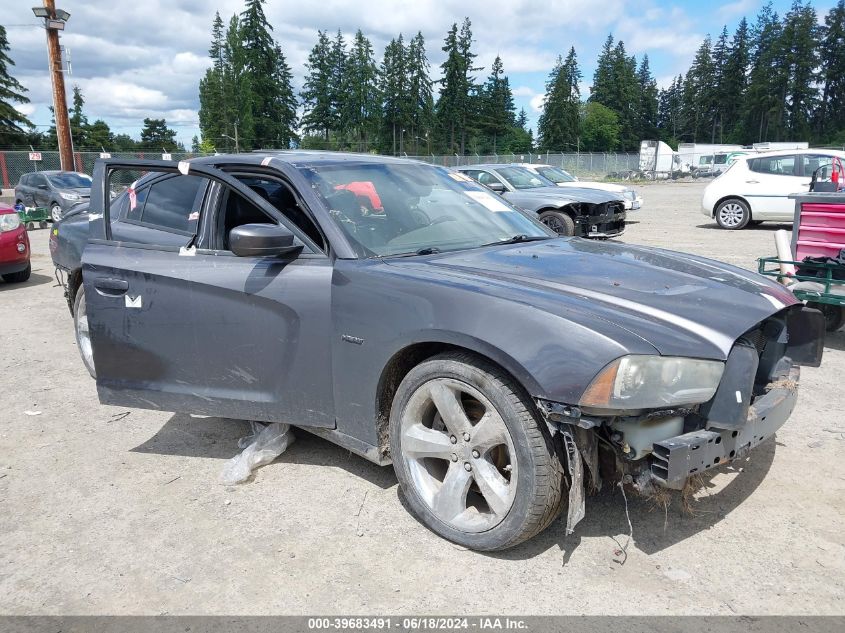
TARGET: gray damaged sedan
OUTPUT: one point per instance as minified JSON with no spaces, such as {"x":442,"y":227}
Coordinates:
{"x":580,"y":211}
{"x":410,"y":315}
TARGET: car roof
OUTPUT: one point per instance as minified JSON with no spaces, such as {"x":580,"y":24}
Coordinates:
{"x":490,"y":166}
{"x":306,"y":157}
{"x":790,"y":152}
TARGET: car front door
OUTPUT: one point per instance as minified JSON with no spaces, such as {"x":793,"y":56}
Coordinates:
{"x":40,"y":190}
{"x":192,"y":327}
{"x":768,"y":183}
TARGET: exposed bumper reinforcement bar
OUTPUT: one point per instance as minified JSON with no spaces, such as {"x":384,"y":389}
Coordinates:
{"x":675,"y":459}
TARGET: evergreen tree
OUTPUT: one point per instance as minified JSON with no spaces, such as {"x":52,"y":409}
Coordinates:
{"x":734,"y":83}
{"x":316,"y":91}
{"x":78,"y":120}
{"x":646,"y":125}
{"x":559,"y":125}
{"x":155,"y":135}
{"x":271,"y":96}
{"x":615,"y":86}
{"x":457,"y":87}
{"x":419,"y":93}
{"x":394,"y":92}
{"x":362,"y":105}
{"x":213,"y":114}
{"x":337,"y":89}
{"x":99,"y":136}
{"x":497,"y":116}
{"x":698,"y":96}
{"x":767,"y":79}
{"x":830,"y":119}
{"x":13,"y":124}
{"x":720,"y":60}
{"x":603,"y":88}
{"x":800,"y":37}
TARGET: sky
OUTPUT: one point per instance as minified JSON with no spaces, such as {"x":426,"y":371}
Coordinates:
{"x":144,"y":59}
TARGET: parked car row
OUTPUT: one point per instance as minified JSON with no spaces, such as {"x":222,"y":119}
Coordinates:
{"x":414,"y":316}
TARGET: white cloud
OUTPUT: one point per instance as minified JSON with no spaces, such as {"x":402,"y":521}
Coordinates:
{"x":523,"y":91}
{"x":26,"y":109}
{"x":537,"y":102}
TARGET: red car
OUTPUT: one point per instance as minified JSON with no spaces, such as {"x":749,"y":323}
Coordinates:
{"x":14,"y":247}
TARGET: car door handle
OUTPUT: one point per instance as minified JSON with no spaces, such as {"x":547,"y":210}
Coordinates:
{"x":111,"y":287}
{"x":752,"y":182}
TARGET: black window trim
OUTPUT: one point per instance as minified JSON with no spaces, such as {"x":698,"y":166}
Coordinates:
{"x":202,"y":193}
{"x":249,"y":170}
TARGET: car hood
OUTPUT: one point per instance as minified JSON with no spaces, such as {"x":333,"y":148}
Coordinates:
{"x":82,"y":191}
{"x":573,"y":194}
{"x":681,"y":304}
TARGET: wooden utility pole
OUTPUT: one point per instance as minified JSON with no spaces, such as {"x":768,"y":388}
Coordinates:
{"x":54,"y":53}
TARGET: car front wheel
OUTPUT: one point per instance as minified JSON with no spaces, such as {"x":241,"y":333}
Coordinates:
{"x":55,"y":212}
{"x":475,"y":462}
{"x":83,"y":337}
{"x":559,"y":222}
{"x":733,"y":214}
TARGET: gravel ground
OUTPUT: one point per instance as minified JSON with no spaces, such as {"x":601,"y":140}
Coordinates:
{"x":114,"y":511}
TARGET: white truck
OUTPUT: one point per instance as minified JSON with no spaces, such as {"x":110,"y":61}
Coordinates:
{"x":659,"y":161}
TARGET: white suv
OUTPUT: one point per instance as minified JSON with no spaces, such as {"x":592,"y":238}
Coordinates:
{"x":755,"y":188}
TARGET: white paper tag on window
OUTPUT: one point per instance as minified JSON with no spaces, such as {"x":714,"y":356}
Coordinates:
{"x":488,"y":200}
{"x":133,"y":302}
{"x":184,"y":167}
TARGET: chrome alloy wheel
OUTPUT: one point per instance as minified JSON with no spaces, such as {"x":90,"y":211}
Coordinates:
{"x":460,"y":455}
{"x":731,"y":214}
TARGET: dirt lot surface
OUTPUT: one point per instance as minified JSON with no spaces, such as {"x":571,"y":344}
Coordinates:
{"x":115,"y":511}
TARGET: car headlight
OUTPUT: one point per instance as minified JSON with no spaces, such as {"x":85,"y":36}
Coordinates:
{"x":69,"y":196}
{"x":629,"y":194}
{"x":9,"y":222}
{"x":653,"y":382}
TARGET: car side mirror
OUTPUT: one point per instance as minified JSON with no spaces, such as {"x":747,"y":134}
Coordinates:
{"x":497,"y":187}
{"x":42,"y":186}
{"x":262,"y":240}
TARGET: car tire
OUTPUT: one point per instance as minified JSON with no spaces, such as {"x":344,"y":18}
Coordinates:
{"x":80,"y":328}
{"x":733,"y":214}
{"x":18,"y":277}
{"x":559,"y":222}
{"x":834,"y":316}
{"x":55,"y":211}
{"x":489,"y":492}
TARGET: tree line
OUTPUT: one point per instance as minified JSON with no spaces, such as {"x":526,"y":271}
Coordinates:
{"x":776,"y":78}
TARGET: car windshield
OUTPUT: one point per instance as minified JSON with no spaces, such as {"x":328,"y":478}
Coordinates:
{"x":70,"y":180}
{"x":407,"y":209}
{"x":555,"y":174}
{"x":521,"y":178}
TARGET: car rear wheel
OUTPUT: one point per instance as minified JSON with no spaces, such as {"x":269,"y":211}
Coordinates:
{"x":559,"y":222}
{"x":733,"y":214}
{"x":475,"y":463}
{"x":80,"y":326}
{"x":55,"y":212}
{"x":18,"y":277}
{"x":834,"y":316}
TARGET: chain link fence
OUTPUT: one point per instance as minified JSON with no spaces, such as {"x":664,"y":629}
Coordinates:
{"x":581,"y":164}
{"x":13,"y":164}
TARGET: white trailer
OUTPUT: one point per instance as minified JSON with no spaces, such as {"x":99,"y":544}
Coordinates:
{"x":707,"y":158}
{"x":772,"y":147}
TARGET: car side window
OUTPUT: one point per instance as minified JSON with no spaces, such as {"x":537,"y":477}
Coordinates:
{"x":37,"y":180}
{"x":774,"y":165}
{"x":486,"y":178}
{"x":236,"y":210}
{"x":472,"y":173}
{"x":812,"y":162}
{"x":171,"y":204}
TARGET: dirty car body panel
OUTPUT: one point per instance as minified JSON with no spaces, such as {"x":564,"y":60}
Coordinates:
{"x":320,"y":338}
